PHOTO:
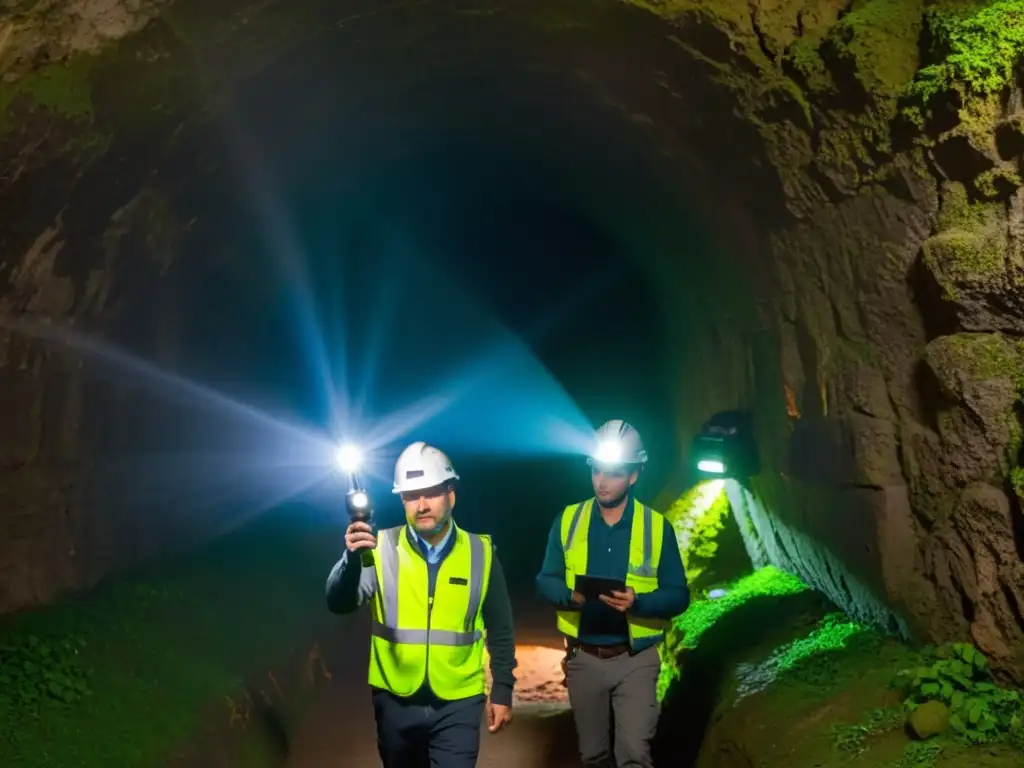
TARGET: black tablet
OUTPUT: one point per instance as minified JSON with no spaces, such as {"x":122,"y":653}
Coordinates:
{"x":592,"y":586}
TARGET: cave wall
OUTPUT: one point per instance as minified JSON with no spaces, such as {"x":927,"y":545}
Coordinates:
{"x":882,"y":358}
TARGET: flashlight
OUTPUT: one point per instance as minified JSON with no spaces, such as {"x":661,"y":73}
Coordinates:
{"x":358,"y":503}
{"x":348,"y":458}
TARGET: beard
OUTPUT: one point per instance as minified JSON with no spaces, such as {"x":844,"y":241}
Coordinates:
{"x":612,"y":503}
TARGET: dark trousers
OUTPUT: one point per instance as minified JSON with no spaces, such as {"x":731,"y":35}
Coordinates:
{"x":422,"y":732}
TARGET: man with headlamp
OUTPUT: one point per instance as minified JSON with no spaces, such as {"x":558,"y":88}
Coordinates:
{"x":613,"y":571}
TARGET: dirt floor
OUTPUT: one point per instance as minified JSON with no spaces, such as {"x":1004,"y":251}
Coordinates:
{"x":333,"y":727}
{"x":339,"y":730}
{"x":774,"y":679}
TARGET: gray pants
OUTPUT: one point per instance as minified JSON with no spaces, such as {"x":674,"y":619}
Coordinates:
{"x":619,"y":692}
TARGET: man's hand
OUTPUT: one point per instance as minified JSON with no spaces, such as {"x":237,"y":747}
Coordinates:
{"x":498,"y":716}
{"x":620,"y":601}
{"x":578,"y":598}
{"x":360,"y":536}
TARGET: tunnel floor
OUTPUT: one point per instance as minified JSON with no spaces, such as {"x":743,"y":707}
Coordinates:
{"x":768,"y":675}
{"x":335,"y":727}
{"x":339,"y":732}
{"x":776,"y":679}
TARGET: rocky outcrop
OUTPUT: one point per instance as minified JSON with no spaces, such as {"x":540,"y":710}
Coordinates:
{"x":881,"y":357}
{"x":864,"y":302}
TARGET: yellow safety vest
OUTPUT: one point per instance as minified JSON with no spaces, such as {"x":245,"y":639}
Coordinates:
{"x":417,"y":639}
{"x":645,"y":540}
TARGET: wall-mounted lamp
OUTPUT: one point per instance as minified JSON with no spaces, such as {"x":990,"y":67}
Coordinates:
{"x":725,"y":447}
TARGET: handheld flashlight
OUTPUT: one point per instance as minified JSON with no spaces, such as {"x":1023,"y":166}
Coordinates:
{"x":348,"y":458}
{"x":357,"y":501}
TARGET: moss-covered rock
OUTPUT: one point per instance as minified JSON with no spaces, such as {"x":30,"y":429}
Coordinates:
{"x":709,"y":537}
{"x":826,"y":683}
{"x":961,"y":360}
{"x":977,"y":43}
{"x":928,"y":720}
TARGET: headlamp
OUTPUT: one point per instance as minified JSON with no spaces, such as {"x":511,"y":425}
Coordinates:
{"x":608,"y":452}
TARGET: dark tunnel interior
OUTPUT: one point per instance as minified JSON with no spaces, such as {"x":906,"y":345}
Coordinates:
{"x":396,"y":241}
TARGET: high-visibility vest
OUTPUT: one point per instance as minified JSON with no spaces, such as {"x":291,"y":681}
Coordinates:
{"x":416,"y":638}
{"x":645,"y":540}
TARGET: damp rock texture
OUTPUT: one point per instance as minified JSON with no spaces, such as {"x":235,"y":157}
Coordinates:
{"x":858,"y":160}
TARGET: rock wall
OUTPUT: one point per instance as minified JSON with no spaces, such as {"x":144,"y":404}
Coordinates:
{"x":882,"y":357}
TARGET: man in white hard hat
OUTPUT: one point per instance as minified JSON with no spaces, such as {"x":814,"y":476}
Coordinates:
{"x":612,"y":662}
{"x":434,"y":590}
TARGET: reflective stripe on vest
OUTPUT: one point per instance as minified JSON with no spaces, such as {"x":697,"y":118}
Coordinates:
{"x":646,"y":535}
{"x":415,"y":639}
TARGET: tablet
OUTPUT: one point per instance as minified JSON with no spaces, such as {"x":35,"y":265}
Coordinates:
{"x":592,"y":586}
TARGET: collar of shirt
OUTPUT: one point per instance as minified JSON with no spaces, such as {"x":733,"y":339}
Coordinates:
{"x":432,"y":552}
{"x":627,"y":513}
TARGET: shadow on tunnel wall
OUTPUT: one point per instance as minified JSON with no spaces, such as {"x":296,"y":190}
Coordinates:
{"x":821,"y":452}
{"x":689,"y":705}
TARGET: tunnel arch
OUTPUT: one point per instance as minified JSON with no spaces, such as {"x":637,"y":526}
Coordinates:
{"x":834,"y":196}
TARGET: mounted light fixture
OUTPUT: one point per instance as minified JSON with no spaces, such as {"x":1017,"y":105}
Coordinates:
{"x":725,"y":447}
{"x":711,"y":466}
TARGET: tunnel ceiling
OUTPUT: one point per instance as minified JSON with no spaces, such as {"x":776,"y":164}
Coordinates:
{"x":824,"y":195}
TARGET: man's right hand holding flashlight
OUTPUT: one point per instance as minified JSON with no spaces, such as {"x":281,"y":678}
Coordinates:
{"x":359,"y":536}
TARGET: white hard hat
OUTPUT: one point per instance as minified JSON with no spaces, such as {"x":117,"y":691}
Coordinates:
{"x":422,"y":466}
{"x":617,"y":443}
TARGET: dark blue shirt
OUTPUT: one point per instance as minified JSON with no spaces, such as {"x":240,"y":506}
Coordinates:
{"x":608,"y":556}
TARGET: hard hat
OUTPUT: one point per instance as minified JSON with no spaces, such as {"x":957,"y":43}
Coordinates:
{"x":617,"y":443}
{"x":422,"y":466}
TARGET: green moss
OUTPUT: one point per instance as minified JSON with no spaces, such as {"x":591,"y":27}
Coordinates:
{"x":970,"y":245}
{"x":979,"y":42}
{"x":881,"y":37}
{"x":64,"y":89}
{"x":123,"y":676}
{"x":804,"y":57}
{"x":993,"y":355}
{"x":703,"y":545}
{"x":834,"y":633}
{"x":703,"y":614}
{"x":710,"y":541}
{"x":957,"y":257}
{"x":982,"y":356}
{"x":996,"y":181}
{"x":698,"y":495}
{"x":765,"y":582}
{"x":1017,"y":481}
{"x":957,"y":212}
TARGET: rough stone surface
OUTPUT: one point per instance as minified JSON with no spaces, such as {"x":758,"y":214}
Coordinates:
{"x":871,"y":225}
